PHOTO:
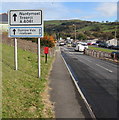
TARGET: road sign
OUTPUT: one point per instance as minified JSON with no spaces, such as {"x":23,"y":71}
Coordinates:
{"x":25,"y":32}
{"x":26,"y":23}
{"x":25,"y":17}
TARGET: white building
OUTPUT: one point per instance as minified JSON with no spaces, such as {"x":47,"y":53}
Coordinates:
{"x":112,"y":42}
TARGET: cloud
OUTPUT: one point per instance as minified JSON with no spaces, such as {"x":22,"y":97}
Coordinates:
{"x":54,"y":11}
{"x":51,"y":10}
{"x":107,"y":9}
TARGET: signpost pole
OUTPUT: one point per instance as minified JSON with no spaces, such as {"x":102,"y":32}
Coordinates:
{"x":15,"y":54}
{"x":39,"y":67}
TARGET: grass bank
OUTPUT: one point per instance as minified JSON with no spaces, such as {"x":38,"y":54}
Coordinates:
{"x":22,"y":90}
{"x":101,"y":49}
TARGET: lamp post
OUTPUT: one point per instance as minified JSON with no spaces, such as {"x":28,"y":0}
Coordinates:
{"x":75,"y":31}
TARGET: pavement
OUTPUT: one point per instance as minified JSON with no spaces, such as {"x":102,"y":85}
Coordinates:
{"x":67,"y":100}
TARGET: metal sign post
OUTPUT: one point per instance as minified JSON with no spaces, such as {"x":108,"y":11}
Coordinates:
{"x":25,"y":23}
{"x":15,"y":54}
{"x":39,"y":67}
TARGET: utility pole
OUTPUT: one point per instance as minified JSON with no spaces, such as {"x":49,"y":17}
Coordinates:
{"x":115,"y":36}
{"x":75,"y":31}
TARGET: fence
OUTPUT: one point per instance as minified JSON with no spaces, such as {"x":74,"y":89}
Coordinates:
{"x":100,"y":54}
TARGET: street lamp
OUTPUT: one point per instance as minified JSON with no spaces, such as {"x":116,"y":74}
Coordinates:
{"x":75,"y":31}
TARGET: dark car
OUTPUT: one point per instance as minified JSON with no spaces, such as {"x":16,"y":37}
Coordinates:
{"x":116,"y":55}
{"x":105,"y":45}
{"x":116,"y":47}
{"x":73,"y":44}
{"x":111,"y":46}
{"x":101,"y":45}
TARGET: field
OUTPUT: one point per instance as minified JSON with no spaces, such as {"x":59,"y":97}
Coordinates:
{"x":22,"y":90}
{"x":101,"y":49}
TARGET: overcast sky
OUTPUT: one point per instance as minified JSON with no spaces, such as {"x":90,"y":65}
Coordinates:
{"x":94,"y":11}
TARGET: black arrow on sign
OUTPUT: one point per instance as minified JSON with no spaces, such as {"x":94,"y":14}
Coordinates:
{"x":14,"y":16}
{"x":14,"y":31}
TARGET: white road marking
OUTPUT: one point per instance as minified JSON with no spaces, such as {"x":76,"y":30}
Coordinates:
{"x":86,"y":59}
{"x":104,"y":68}
{"x":81,"y":93}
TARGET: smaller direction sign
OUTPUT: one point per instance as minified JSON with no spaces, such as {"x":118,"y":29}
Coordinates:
{"x":25,"y":32}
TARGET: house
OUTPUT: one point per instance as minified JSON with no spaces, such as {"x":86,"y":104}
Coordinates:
{"x":3,"y":18}
{"x":92,"y":41}
{"x":112,"y":42}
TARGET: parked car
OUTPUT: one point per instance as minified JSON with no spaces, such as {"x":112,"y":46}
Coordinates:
{"x":94,"y":43}
{"x":116,"y":55}
{"x":105,"y":45}
{"x":89,"y":43}
{"x":69,"y":45}
{"x":111,"y":46}
{"x":73,"y":44}
{"x":116,"y":47}
{"x":100,"y":44}
{"x":81,"y":47}
{"x":61,"y":44}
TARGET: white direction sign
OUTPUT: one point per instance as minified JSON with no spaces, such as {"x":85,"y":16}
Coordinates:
{"x":25,"y":17}
{"x":25,"y":32}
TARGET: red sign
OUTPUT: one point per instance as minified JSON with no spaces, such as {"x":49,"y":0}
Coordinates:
{"x":46,"y":50}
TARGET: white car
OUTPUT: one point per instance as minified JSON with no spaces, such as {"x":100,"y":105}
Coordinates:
{"x":81,"y":47}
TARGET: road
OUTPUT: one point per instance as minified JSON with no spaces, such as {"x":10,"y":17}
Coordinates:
{"x":97,"y":80}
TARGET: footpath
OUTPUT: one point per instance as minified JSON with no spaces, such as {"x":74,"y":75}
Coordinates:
{"x":67,"y":101}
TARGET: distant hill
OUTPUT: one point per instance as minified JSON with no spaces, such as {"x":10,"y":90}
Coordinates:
{"x":84,"y":29}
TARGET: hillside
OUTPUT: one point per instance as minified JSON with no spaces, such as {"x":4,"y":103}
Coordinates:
{"x":84,"y":29}
{"x":22,"y":90}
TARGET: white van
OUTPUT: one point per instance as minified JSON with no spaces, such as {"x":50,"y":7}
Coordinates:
{"x":81,"y":47}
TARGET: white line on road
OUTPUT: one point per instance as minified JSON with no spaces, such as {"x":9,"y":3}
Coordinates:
{"x":104,"y":68}
{"x":79,"y":90}
{"x":86,"y":59}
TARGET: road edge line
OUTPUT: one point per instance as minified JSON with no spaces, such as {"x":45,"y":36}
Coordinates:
{"x":80,"y":92}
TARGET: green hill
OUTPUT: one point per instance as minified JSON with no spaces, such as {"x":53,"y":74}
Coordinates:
{"x":22,"y":90}
{"x":84,"y":29}
{"x":65,"y":28}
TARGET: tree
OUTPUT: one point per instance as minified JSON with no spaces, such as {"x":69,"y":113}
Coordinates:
{"x":48,"y":41}
{"x":81,"y":36}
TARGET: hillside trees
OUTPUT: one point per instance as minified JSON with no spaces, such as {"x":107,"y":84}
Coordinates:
{"x":81,"y":36}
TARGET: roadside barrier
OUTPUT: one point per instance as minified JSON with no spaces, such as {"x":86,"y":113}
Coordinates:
{"x":99,"y":54}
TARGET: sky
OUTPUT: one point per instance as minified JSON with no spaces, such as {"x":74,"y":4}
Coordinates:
{"x":91,"y":11}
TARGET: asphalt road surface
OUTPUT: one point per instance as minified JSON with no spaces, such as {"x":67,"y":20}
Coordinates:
{"x":97,"y":79}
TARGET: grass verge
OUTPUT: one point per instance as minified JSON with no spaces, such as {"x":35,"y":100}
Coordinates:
{"x":101,"y":49}
{"x":22,"y":89}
